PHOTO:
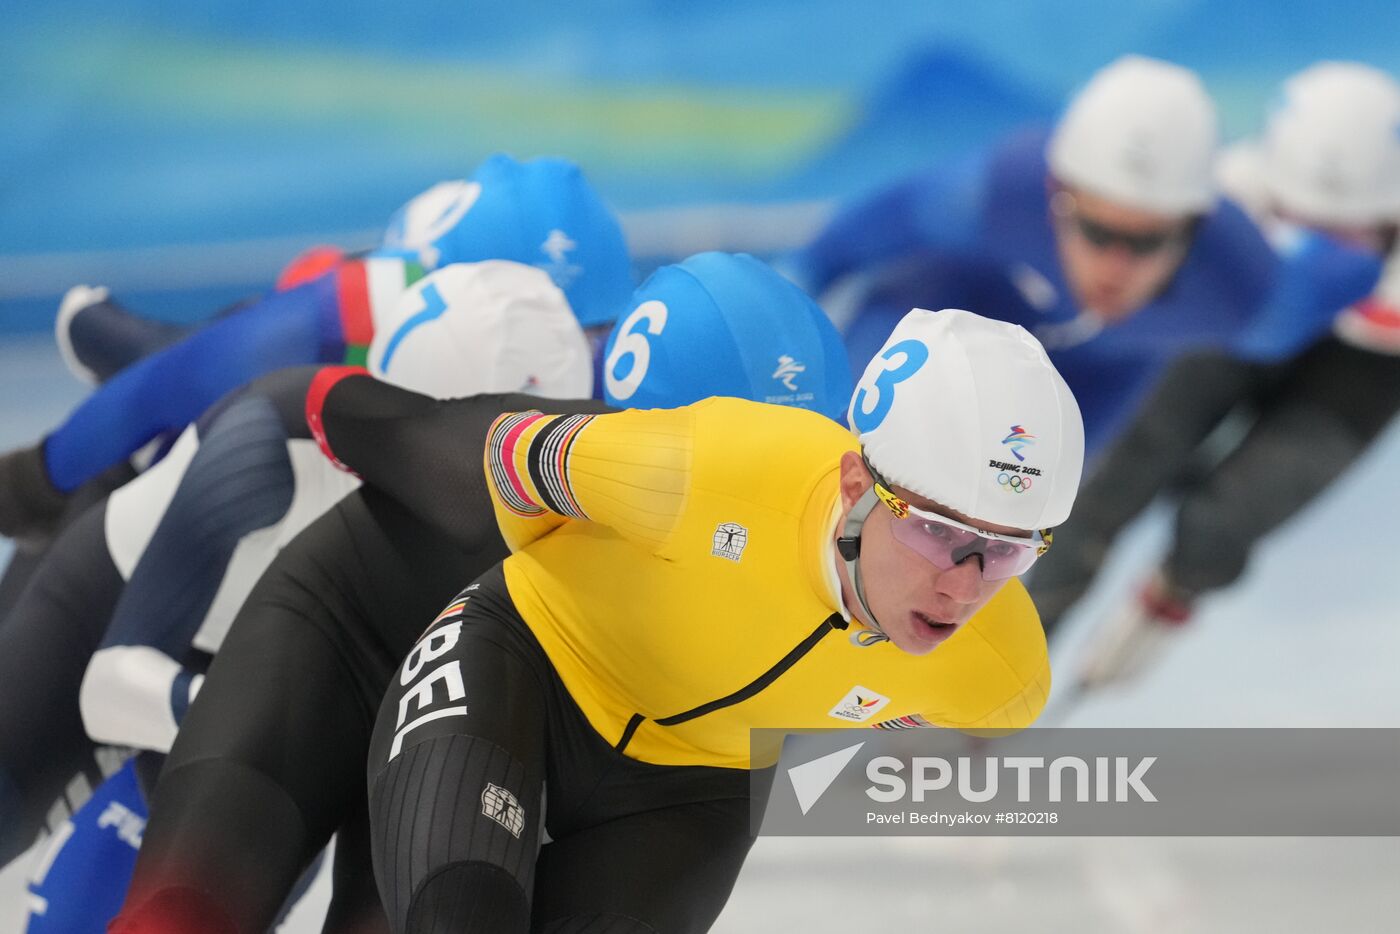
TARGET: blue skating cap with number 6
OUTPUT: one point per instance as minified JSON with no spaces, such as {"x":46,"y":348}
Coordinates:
{"x":970,"y":413}
{"x":723,"y":324}
{"x":541,"y":212}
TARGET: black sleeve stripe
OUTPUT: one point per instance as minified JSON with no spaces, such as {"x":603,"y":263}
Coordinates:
{"x":548,"y":461}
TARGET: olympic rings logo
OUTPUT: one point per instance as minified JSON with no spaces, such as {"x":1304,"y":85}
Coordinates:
{"x":1014,"y":482}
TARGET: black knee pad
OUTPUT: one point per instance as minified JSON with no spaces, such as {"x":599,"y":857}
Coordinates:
{"x":229,"y":831}
{"x":442,"y":813}
{"x":469,"y":897}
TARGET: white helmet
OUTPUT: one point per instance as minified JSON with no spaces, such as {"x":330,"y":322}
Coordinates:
{"x":493,"y":326}
{"x":970,"y":413}
{"x":1143,"y":133}
{"x":1332,"y":145}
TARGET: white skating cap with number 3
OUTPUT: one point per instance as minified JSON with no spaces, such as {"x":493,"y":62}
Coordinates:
{"x":1142,"y":133}
{"x":970,"y":413}
{"x":493,"y":326}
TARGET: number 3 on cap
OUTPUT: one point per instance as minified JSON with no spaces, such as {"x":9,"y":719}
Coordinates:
{"x":867,"y":418}
{"x":631,"y":341}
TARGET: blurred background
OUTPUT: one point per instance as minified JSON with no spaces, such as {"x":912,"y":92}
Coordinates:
{"x":181,"y":153}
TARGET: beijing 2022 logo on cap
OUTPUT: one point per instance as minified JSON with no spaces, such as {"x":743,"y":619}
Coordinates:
{"x":557,"y":246}
{"x":1015,"y":478}
{"x":1018,"y":441}
{"x":787,"y":371}
{"x":789,"y":368}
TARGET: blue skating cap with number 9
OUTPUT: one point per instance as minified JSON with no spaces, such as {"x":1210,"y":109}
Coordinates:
{"x":723,"y":324}
{"x":970,"y":413}
{"x":541,"y":212}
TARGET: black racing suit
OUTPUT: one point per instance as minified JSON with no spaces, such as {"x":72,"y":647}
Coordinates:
{"x":270,"y":759}
{"x":1314,"y":416}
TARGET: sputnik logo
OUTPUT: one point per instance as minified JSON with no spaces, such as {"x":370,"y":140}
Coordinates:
{"x":811,"y":779}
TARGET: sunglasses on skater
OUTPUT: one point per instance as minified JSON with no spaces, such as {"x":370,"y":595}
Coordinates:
{"x":1103,"y":236}
{"x":945,"y":543}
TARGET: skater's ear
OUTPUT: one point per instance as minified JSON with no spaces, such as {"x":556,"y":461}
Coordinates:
{"x":855,"y":479}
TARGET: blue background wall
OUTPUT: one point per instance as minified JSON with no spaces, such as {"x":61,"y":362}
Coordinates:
{"x":180,"y":151}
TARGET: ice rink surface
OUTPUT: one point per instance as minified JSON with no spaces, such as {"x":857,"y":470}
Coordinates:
{"x":1311,"y":637}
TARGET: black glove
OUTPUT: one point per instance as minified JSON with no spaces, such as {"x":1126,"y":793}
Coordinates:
{"x":30,"y":506}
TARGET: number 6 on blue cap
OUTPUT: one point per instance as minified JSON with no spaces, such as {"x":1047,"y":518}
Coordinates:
{"x":632,"y":341}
